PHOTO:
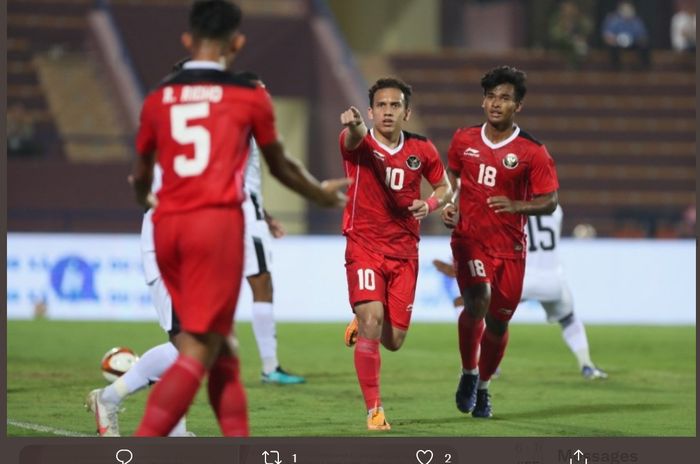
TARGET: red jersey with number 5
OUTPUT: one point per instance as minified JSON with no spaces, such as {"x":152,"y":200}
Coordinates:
{"x":518,"y":168}
{"x":199,"y":121}
{"x":385,"y":183}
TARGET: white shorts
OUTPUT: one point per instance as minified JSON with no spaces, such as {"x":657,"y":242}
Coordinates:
{"x":551,"y":290}
{"x":164,"y":306}
{"x":156,"y":287}
{"x":542,"y":285}
{"x":258,"y":241}
{"x":548,"y":288}
{"x":558,"y":310}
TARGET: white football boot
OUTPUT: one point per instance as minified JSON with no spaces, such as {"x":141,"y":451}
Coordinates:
{"x":106,"y":414}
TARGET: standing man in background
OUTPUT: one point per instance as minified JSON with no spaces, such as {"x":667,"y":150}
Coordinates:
{"x":502,"y":175}
{"x":382,"y":226}
{"x":199,"y":123}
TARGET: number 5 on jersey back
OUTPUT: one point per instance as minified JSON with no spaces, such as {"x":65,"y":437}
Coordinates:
{"x":196,"y":135}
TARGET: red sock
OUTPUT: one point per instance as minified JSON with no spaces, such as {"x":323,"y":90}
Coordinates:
{"x":171,"y":397}
{"x":227,"y":397}
{"x":493,"y":347}
{"x":470,"y":332}
{"x":367,"y":365}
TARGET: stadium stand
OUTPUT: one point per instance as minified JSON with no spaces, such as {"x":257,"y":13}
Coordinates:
{"x":624,"y":142}
{"x":77,"y":181}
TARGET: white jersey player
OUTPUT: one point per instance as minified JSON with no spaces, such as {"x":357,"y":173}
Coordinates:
{"x":260,"y":227}
{"x":105,"y":402}
{"x":545,"y":283}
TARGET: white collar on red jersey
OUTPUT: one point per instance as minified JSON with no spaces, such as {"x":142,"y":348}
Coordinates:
{"x":391,"y":151}
{"x":203,"y":65}
{"x":502,"y":143}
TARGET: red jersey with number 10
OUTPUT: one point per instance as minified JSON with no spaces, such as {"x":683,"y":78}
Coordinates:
{"x":199,"y":121}
{"x":518,"y":168}
{"x":385,"y":183}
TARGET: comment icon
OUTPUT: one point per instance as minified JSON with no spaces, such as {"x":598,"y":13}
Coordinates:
{"x":124,"y":456}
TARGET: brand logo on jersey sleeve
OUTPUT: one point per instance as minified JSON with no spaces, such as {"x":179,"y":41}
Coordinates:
{"x":506,"y":311}
{"x":378,"y":155}
{"x":510,"y":161}
{"x":471,"y":152}
{"x":413,"y":162}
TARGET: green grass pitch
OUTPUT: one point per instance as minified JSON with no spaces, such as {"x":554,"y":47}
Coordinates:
{"x":51,"y":365}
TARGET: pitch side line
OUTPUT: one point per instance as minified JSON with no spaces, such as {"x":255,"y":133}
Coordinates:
{"x":45,"y":429}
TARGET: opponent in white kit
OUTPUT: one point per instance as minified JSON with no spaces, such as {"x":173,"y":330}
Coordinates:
{"x":260,"y":227}
{"x":545,"y":283}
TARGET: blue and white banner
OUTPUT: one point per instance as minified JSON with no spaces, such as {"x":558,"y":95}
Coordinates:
{"x":75,"y":276}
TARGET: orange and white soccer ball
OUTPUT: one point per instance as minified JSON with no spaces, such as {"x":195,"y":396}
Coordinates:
{"x":116,"y":362}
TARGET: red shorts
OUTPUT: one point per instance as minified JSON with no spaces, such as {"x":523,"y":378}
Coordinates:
{"x":375,"y":277}
{"x":200,"y":256}
{"x":506,"y":276}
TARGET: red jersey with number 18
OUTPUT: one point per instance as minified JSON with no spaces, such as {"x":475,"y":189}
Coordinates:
{"x":385,"y":183}
{"x":200,"y":121}
{"x":518,"y":168}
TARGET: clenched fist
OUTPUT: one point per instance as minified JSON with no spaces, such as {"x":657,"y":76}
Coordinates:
{"x":351,"y":117}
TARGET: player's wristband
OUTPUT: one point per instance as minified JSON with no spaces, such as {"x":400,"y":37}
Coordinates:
{"x":432,"y":203}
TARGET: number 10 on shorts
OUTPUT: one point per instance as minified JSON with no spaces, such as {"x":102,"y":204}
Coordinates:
{"x":365,"y":277}
{"x":476,"y":268}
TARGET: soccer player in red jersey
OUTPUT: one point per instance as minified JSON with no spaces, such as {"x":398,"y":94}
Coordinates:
{"x":503,"y":175}
{"x":199,"y":122}
{"x":382,"y":226}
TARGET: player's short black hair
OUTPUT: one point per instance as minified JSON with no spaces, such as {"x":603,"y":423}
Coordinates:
{"x":390,"y":83}
{"x":505,"y":75}
{"x":214,"y":19}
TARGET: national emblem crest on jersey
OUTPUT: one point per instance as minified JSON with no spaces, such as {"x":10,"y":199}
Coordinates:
{"x":413,"y":162}
{"x":510,"y":161}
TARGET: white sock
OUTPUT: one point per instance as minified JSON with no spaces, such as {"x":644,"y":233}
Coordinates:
{"x":180,"y":429}
{"x":483,"y":384}
{"x":575,"y":337}
{"x":148,"y":368}
{"x":474,"y":371}
{"x":265,"y":335}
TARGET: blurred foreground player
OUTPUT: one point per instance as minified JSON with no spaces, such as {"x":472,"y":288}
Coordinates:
{"x":199,"y":122}
{"x":503,"y":175}
{"x":382,"y":226}
{"x":545,"y":283}
{"x":106,"y":402}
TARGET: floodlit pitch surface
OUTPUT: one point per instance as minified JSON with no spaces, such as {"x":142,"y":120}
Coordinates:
{"x":52,"y":365}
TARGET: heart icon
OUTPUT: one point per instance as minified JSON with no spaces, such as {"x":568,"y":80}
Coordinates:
{"x":424,"y":456}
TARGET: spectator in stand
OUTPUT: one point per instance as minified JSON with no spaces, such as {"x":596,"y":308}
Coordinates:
{"x":20,"y":132}
{"x":623,"y":30}
{"x":683,"y":26}
{"x":686,"y":227}
{"x":569,"y":31}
